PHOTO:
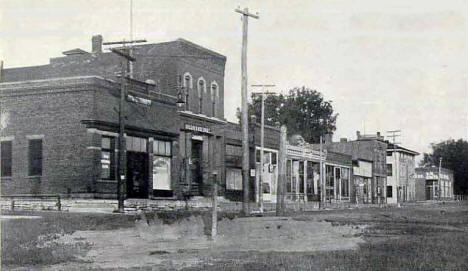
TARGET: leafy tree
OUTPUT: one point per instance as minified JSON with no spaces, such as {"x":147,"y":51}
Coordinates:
{"x":304,"y":111}
{"x":454,"y":156}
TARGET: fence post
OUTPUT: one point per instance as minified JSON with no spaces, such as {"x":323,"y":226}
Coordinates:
{"x":12,"y":204}
{"x":214,"y":206}
{"x":59,"y":204}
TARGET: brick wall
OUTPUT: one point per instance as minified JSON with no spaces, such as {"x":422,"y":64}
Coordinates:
{"x":52,"y":110}
{"x":162,"y":62}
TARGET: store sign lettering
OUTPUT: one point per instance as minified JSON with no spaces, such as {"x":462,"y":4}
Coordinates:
{"x":197,"y":128}
{"x":433,"y":176}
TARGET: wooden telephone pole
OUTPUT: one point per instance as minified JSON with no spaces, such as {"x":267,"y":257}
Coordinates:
{"x":127,"y":58}
{"x":262,"y":139}
{"x":244,"y":107}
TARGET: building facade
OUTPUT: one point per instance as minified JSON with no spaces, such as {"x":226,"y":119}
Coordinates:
{"x":401,"y":185}
{"x":433,"y":183}
{"x":368,"y":153}
{"x":303,"y":182}
{"x":60,"y":123}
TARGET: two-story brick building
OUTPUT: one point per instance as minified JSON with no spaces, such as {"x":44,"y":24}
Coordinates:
{"x":60,"y":122}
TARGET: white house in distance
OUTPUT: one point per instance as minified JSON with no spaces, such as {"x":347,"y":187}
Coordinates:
{"x":401,"y":186}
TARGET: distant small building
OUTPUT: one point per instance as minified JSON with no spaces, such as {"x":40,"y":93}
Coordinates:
{"x":400,"y":174}
{"x":430,"y":185}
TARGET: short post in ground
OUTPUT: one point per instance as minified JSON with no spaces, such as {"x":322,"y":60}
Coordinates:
{"x":214,"y":206}
{"x":280,"y":203}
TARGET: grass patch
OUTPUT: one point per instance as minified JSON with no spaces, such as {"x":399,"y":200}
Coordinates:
{"x":32,"y":241}
{"x":414,"y":238}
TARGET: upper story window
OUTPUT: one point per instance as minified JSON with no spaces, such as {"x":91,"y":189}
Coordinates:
{"x":389,"y":170}
{"x":188,"y":85}
{"x":214,"y":98}
{"x":201,"y":91}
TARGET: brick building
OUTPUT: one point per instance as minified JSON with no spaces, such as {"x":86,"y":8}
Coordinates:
{"x":233,"y":161}
{"x":369,"y":171}
{"x":60,"y":122}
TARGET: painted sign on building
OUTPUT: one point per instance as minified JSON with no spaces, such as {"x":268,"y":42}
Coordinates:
{"x":196,"y":128}
{"x":431,"y":175}
{"x":363,"y":169}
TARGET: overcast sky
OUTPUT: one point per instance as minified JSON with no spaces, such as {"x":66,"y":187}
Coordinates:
{"x":386,"y":65}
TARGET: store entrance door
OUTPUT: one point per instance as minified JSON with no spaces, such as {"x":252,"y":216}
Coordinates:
{"x":137,"y":174}
{"x":196,"y":169}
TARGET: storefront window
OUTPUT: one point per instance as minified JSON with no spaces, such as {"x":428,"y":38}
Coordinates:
{"x":162,"y":153}
{"x":295,"y":175}
{"x":288,"y":175}
{"x":107,"y":158}
{"x":310,"y":178}
{"x":233,"y":179}
{"x":329,"y":176}
{"x":301,"y":177}
{"x":135,"y":144}
{"x":345,"y":182}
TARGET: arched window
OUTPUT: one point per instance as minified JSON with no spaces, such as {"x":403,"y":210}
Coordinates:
{"x":188,"y":85}
{"x":214,"y":97}
{"x":201,"y":91}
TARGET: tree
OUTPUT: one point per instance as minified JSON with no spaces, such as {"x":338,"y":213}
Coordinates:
{"x":454,"y":156}
{"x":303,"y":111}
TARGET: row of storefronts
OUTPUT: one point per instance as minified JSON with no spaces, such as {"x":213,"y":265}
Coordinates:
{"x":69,"y":144}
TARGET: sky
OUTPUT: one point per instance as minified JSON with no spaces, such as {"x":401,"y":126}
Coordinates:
{"x":385,"y":65}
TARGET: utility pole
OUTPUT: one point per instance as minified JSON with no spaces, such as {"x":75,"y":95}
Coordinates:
{"x":438,"y":180}
{"x":393,"y":135}
{"x":127,"y":58}
{"x":262,"y":137}
{"x":244,"y":107}
{"x":323,"y":189}
{"x":1,"y":70}
{"x":280,"y":204}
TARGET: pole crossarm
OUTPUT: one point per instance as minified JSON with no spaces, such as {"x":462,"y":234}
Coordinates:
{"x":245,"y":12}
{"x":123,"y":54}
{"x":123,"y":42}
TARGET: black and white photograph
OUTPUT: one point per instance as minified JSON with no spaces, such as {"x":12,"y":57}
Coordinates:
{"x":234,"y":135}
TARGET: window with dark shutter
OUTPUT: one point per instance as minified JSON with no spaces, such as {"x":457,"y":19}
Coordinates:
{"x":35,"y":157}
{"x":6,"y":159}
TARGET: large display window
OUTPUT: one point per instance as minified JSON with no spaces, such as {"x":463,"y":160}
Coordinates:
{"x":162,"y":157}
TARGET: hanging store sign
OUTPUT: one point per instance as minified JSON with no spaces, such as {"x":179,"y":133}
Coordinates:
{"x":195,"y":128}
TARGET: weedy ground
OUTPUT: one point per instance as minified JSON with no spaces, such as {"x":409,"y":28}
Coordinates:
{"x":415,"y":237}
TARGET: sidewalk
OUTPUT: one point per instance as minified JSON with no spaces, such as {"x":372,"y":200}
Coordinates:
{"x":196,"y":203}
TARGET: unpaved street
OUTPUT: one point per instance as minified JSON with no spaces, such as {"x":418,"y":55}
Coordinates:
{"x":306,"y":241}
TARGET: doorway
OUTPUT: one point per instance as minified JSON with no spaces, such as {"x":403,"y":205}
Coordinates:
{"x":137,"y":174}
{"x":196,"y":168}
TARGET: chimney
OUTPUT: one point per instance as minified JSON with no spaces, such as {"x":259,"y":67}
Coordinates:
{"x":358,"y":134}
{"x":328,"y":138}
{"x":378,"y":135}
{"x":343,"y":139}
{"x":96,"y":42}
